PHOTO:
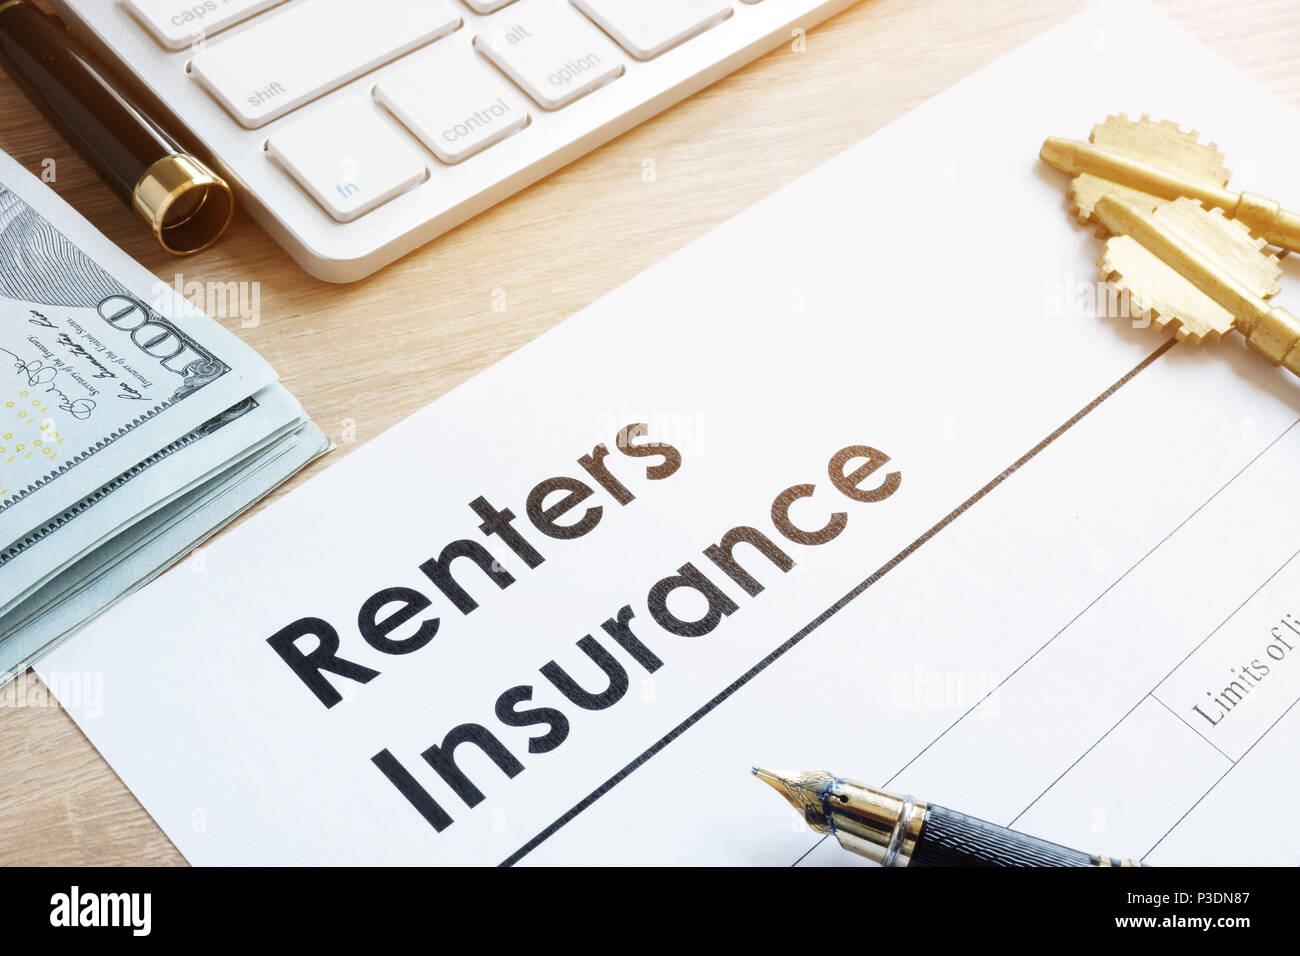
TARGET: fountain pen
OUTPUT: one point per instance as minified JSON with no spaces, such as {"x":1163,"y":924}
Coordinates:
{"x":900,"y":831}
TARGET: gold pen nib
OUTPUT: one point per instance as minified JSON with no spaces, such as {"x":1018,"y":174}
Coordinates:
{"x":803,"y":791}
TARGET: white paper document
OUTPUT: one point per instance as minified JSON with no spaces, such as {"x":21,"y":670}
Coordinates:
{"x":859,"y":481}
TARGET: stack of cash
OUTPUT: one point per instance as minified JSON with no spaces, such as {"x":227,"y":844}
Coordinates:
{"x":132,"y":426}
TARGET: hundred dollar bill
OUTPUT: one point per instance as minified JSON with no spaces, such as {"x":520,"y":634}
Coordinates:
{"x":42,"y":604}
{"x":97,"y":372}
{"x":39,"y":554}
{"x":268,"y":407}
{"x":99,"y":581}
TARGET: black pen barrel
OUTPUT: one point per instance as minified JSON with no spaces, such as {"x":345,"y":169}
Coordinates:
{"x":185,"y":204}
{"x":58,"y":74}
{"x":948,"y":838}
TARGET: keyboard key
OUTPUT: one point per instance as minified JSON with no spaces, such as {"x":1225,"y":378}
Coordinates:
{"x":347,"y":158}
{"x":177,"y":24}
{"x":457,"y":104}
{"x":550,"y":50}
{"x":647,"y":28}
{"x":290,"y":57}
{"x":487,"y":6}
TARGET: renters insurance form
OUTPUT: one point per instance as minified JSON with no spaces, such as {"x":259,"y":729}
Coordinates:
{"x":858,"y":481}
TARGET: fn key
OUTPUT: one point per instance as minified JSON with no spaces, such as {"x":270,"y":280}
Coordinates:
{"x":347,"y":158}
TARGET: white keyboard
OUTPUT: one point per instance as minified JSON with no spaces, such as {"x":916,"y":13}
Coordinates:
{"x":357,"y":130}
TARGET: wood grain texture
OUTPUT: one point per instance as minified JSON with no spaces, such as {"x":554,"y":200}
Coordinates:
{"x":552,"y":250}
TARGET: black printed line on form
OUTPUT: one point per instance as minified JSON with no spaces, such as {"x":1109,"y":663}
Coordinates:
{"x":825,"y":615}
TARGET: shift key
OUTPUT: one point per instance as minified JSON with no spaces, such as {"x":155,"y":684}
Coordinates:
{"x":290,"y":57}
{"x":551,"y":51}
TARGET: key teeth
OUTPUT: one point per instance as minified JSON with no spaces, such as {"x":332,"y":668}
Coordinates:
{"x":1210,"y":161}
{"x":1159,"y":321}
{"x":1258,"y":242}
{"x":1242,"y":228}
{"x":1112,"y":118}
{"x":1076,"y":208}
{"x":1202,"y":162}
{"x":1112,"y":276}
{"x":1230,"y":238}
{"x":1239,"y":231}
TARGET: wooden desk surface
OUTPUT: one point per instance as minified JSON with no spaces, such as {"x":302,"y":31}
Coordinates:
{"x":553,"y":249}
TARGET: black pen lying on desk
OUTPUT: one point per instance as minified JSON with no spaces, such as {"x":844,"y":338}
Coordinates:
{"x":900,"y":831}
{"x":184,"y":203}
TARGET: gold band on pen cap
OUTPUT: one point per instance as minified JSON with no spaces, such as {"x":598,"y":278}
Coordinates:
{"x":185,"y":204}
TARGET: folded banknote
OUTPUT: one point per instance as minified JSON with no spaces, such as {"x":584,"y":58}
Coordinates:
{"x":132,"y":426}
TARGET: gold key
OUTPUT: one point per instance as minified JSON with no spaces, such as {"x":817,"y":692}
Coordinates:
{"x":1144,"y":160}
{"x":1198,"y":272}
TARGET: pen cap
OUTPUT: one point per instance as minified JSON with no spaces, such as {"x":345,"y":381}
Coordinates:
{"x":185,"y":204}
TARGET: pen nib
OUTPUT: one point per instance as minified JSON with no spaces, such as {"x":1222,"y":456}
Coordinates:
{"x":803,"y":791}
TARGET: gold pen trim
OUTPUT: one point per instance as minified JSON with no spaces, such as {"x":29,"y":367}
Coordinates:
{"x":870,"y":822}
{"x":185,"y":204}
